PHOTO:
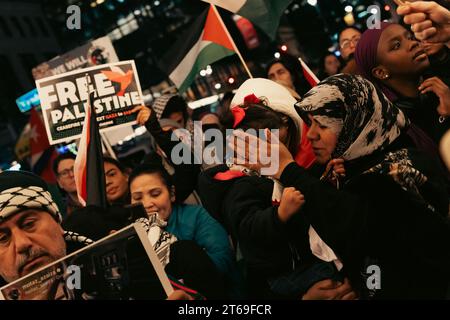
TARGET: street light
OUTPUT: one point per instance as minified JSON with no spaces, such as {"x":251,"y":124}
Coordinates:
{"x":348,"y":9}
{"x":312,"y":2}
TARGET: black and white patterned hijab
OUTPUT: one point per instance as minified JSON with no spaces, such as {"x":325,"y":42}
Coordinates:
{"x":363,"y":119}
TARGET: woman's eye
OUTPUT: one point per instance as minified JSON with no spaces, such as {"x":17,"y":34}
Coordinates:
{"x":396,"y":45}
{"x":155,"y":194}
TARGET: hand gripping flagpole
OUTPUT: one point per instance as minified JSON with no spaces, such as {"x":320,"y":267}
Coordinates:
{"x":232,"y":41}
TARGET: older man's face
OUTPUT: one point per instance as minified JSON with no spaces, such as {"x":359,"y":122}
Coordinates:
{"x":29,"y":240}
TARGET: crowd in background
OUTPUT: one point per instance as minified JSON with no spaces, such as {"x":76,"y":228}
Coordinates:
{"x":361,"y":181}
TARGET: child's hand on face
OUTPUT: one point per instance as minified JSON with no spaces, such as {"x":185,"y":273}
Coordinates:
{"x":291,"y":202}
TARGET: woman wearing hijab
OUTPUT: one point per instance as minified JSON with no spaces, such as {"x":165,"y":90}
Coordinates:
{"x":393,"y":59}
{"x":254,"y":209}
{"x":391,"y":210}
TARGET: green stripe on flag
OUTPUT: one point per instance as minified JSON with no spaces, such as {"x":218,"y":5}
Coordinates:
{"x":211,"y":53}
{"x":265,"y":14}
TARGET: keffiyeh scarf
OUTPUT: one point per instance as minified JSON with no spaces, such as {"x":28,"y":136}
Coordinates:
{"x":361,"y":116}
{"x":159,"y":238}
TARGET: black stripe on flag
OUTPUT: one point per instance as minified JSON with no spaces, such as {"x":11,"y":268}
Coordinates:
{"x":183,"y":44}
{"x":95,"y":173}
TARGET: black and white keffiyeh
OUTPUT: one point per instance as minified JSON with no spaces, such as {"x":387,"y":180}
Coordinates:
{"x":361,"y":116}
{"x":159,"y":238}
{"x":365,"y":121}
{"x":21,"y":190}
{"x":21,"y":198}
{"x":75,"y":237}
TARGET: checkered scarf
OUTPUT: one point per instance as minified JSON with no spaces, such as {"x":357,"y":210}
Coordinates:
{"x":360,"y":115}
{"x":159,"y":238}
{"x":160,"y":104}
{"x":17,"y":199}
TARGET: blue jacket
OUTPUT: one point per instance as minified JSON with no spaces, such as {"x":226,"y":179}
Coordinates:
{"x":189,"y":222}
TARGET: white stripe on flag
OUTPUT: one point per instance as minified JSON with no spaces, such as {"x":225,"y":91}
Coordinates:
{"x":179,"y":74}
{"x":230,"y":5}
{"x":80,"y":165}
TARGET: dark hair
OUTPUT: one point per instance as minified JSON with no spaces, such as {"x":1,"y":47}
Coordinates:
{"x":150,"y":168}
{"x":346,"y":28}
{"x":59,"y":158}
{"x":175,"y":104}
{"x":295,"y":68}
{"x":322,"y":72}
{"x":115,"y":162}
{"x":96,"y":222}
{"x":260,"y":116}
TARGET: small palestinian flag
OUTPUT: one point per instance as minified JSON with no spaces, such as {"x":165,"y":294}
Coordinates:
{"x":205,"y":42}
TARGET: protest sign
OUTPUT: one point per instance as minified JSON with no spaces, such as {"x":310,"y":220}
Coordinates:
{"x":96,"y":52}
{"x":63,"y":98}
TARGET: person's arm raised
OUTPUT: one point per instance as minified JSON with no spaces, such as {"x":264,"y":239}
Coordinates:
{"x":429,"y":21}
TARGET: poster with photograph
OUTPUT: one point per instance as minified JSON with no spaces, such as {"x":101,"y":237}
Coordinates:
{"x":121,"y":266}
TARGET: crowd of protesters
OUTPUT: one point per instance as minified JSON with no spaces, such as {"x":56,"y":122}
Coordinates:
{"x":361,"y":180}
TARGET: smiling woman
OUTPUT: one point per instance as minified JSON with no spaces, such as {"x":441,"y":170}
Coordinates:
{"x":192,"y":227}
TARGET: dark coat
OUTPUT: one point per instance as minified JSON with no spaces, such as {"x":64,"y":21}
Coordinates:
{"x":268,"y":246}
{"x":373,"y":220}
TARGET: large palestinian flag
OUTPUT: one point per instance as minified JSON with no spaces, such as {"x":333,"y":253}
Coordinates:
{"x":204,"y":43}
{"x":264,"y":13}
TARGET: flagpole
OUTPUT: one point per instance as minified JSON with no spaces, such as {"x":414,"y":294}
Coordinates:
{"x":305,"y":66}
{"x":108,"y":145}
{"x":232,"y":41}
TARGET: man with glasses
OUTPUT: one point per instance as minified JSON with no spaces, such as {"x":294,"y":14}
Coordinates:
{"x":63,"y":169}
{"x":348,"y":39}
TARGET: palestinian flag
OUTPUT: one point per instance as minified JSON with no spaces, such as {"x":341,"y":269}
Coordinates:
{"x":204,"y":43}
{"x":265,"y":14}
{"x":88,"y":168}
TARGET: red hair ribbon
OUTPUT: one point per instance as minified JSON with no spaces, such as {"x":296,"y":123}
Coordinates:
{"x":228,"y":175}
{"x":251,"y":98}
{"x":238,"y":115}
